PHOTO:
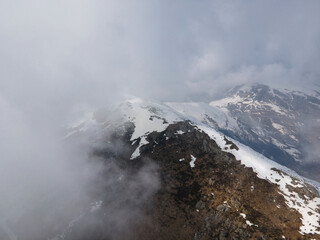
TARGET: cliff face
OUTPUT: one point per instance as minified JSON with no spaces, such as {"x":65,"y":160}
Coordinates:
{"x":204,"y":193}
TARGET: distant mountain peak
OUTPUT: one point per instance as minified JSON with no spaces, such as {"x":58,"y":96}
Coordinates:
{"x":282,"y":124}
{"x":311,"y":90}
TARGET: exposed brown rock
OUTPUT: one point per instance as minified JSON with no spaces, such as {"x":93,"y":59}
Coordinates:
{"x":205,"y":202}
{"x":218,"y":198}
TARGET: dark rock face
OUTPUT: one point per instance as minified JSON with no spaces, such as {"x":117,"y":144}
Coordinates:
{"x":216,"y":198}
{"x":282,"y":125}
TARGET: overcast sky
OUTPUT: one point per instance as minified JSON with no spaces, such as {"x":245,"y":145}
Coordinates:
{"x":65,"y":52}
{"x":58,"y":56}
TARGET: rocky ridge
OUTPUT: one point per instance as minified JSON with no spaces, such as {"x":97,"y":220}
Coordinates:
{"x":212,"y":187}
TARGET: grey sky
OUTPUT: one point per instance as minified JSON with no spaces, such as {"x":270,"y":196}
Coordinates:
{"x":57,"y":56}
{"x":87,"y":51}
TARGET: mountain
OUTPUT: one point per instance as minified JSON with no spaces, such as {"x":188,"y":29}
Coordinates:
{"x":170,"y":171}
{"x":210,"y":186}
{"x":284,"y":125}
{"x":281,"y":124}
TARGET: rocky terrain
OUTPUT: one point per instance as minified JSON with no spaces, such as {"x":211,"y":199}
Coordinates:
{"x":205,"y":193}
{"x":216,"y":198}
{"x":207,"y":190}
{"x":166,"y":175}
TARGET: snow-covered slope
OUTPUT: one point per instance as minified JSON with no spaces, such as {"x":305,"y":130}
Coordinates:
{"x":204,"y":113}
{"x":286,"y":179}
{"x":282,"y":125}
{"x":286,"y":120}
{"x":148,"y":117}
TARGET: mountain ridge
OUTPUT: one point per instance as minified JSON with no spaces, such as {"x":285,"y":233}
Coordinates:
{"x":149,"y":119}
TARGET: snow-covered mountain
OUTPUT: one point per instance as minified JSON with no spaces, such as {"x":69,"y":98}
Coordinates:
{"x":172,"y":171}
{"x":154,"y":127}
{"x":283,"y":125}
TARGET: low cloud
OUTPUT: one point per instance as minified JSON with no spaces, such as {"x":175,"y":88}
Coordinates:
{"x":51,"y":185}
{"x":41,"y":181}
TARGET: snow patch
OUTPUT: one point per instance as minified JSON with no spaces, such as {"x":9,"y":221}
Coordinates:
{"x":136,"y":153}
{"x":95,"y":206}
{"x":179,"y":132}
{"x":192,"y":162}
{"x":251,"y":224}
{"x":279,"y":127}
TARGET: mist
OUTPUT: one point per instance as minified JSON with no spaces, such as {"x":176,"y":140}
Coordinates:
{"x":51,"y":184}
{"x":59,"y":58}
{"x":91,"y":51}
